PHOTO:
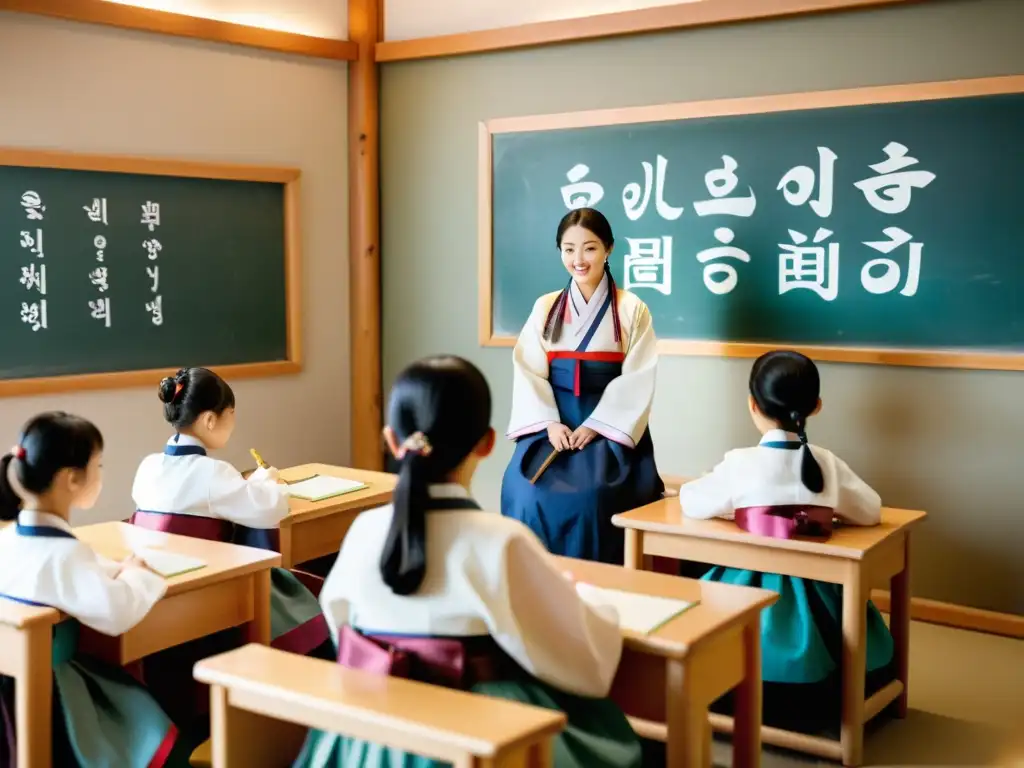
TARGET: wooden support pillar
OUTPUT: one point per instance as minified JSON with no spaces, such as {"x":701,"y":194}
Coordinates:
{"x":365,"y":25}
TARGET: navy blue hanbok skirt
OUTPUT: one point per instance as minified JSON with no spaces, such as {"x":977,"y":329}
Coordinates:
{"x":571,"y":506}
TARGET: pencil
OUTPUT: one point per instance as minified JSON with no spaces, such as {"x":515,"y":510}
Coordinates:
{"x":259,"y":459}
{"x":545,"y":465}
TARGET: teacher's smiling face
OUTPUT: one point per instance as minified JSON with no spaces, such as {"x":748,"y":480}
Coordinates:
{"x":584,"y":257}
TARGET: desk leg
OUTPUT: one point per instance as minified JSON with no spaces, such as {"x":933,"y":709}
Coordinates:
{"x":899,"y":624}
{"x":33,"y":698}
{"x":634,"y":549}
{"x":746,"y":735}
{"x":258,"y":630}
{"x":854,"y":663}
{"x":687,"y":722}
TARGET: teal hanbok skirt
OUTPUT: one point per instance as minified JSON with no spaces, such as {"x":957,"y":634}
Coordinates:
{"x":801,"y":649}
{"x":102,"y":716}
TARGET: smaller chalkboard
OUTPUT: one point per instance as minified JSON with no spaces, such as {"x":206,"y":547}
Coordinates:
{"x":114,"y":270}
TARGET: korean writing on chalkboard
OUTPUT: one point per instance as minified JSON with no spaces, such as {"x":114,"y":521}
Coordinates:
{"x":151,"y":219}
{"x":808,"y":261}
{"x":99,"y":308}
{"x":33,"y":275}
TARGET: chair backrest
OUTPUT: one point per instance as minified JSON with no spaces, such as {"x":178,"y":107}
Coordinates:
{"x":254,"y":683}
{"x":26,"y":652}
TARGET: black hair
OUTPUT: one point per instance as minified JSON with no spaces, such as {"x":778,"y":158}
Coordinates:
{"x":192,"y":392}
{"x":48,"y":443}
{"x":593,"y":220}
{"x":446,"y":399}
{"x":785,"y":386}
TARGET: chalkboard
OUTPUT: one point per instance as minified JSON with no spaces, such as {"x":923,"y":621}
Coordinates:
{"x":874,"y":225}
{"x":115,"y":270}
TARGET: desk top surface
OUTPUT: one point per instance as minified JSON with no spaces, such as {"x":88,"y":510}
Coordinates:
{"x":380,"y":487}
{"x":848,"y":541}
{"x":479,"y":724}
{"x":223,"y":561}
{"x":721,"y":606}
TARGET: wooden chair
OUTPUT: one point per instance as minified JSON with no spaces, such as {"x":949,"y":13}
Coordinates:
{"x":263,"y":700}
{"x":26,"y":648}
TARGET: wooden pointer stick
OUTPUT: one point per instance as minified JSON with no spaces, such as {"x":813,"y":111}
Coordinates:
{"x":545,"y":465}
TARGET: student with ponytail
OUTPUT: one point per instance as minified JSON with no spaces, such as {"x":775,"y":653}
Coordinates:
{"x":435,"y":589}
{"x":583,"y":383}
{"x":781,"y":488}
{"x":101,"y":715}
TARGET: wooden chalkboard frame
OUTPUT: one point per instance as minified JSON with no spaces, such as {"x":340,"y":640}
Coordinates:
{"x":924,"y":358}
{"x":288,"y":177}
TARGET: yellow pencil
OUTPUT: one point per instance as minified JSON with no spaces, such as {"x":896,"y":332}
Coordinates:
{"x":259,"y":459}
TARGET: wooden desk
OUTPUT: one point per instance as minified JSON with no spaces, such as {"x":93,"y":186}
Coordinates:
{"x":667,"y":680}
{"x":26,"y":647}
{"x":232,"y":590}
{"x":314,"y":529}
{"x":856,"y":557}
{"x":259,"y":695}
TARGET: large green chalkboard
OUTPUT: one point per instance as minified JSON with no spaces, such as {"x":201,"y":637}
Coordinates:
{"x":876,"y":225}
{"x":128,"y":267}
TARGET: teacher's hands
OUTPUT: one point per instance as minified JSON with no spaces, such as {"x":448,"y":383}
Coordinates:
{"x":581,"y":438}
{"x":558,"y":436}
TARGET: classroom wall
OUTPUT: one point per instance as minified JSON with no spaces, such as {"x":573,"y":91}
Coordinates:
{"x":946,"y":441}
{"x":85,"y":88}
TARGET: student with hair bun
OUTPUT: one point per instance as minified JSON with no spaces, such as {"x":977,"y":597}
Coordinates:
{"x":781,"y":488}
{"x":183,"y":490}
{"x":435,"y":589}
{"x":102,"y":715}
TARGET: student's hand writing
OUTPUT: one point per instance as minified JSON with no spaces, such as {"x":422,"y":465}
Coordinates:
{"x":265,"y":473}
{"x":581,"y":438}
{"x":559,"y":436}
{"x":133,"y":562}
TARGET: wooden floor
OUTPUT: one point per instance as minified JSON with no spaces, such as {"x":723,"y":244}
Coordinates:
{"x":966,"y":702}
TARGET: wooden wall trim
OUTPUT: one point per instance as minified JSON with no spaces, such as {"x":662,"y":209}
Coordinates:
{"x":682,"y":15}
{"x":365,"y":22}
{"x":959,"y":616}
{"x":181,"y":25}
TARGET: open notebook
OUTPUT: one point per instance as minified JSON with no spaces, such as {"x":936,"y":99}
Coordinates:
{"x":169,"y":564}
{"x":320,"y":487}
{"x":638,"y":613}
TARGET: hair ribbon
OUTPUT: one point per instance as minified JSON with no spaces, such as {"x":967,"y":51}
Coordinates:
{"x":18,"y":452}
{"x":177,"y":390}
{"x":416,"y":443}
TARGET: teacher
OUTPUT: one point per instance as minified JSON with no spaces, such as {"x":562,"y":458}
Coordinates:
{"x":584,"y":369}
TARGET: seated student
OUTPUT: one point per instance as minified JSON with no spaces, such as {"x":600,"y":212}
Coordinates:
{"x":781,"y":487}
{"x":184,"y":491}
{"x":102,"y":716}
{"x":435,"y":589}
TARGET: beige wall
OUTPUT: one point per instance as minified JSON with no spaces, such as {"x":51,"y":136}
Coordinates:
{"x":946,"y":441}
{"x":86,"y":88}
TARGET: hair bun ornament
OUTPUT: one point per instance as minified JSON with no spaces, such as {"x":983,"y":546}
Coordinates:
{"x":416,"y":443}
{"x":18,"y":452}
{"x":178,"y":386}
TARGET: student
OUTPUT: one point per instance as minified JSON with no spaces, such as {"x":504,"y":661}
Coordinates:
{"x":782,"y":487}
{"x":436,"y":589}
{"x":101,"y":716}
{"x":583,"y":382}
{"x":184,"y":491}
